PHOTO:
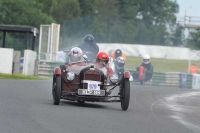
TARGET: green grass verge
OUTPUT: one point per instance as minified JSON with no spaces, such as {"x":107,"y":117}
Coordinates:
{"x":161,"y":65}
{"x":20,"y":76}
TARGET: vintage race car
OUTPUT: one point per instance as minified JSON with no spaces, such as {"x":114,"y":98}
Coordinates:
{"x":88,"y":81}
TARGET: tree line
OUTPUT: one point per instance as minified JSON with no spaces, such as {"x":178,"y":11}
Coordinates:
{"x":151,"y":22}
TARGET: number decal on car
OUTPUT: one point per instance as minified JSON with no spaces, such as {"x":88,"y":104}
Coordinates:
{"x":93,"y":86}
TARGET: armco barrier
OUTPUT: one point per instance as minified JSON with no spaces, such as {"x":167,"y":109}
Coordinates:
{"x":45,"y":68}
{"x":185,"y":80}
{"x":189,"y":81}
{"x":196,"y":81}
{"x":174,"y":79}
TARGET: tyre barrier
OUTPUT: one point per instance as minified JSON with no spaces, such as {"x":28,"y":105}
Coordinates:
{"x":171,"y":79}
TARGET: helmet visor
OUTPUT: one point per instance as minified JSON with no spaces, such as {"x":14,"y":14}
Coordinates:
{"x":146,"y":60}
{"x":104,"y":62}
{"x":75,"y":57}
{"x":90,"y":42}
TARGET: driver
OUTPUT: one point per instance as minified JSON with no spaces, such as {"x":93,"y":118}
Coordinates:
{"x":89,"y":46}
{"x":75,"y":54}
{"x":102,"y":59}
{"x":118,"y":53}
{"x":119,"y":64}
{"x":148,"y":68}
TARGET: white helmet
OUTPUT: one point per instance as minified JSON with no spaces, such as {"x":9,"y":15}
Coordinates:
{"x":146,"y":59}
{"x":75,"y":54}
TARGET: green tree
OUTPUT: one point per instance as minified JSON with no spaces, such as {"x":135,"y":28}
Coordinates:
{"x":88,"y":7}
{"x":23,"y":12}
{"x":177,"y":36}
{"x":121,"y":21}
{"x":194,"y":41}
{"x":127,"y":9}
{"x":104,"y":20}
{"x":66,"y":10}
{"x":152,"y":19}
{"x":48,"y":6}
{"x":157,"y":11}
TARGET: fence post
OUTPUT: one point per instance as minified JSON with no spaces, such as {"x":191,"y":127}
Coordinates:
{"x":183,"y":80}
{"x":36,"y":67}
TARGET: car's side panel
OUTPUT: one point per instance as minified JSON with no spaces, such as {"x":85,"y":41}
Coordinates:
{"x":69,"y":86}
{"x":126,"y":74}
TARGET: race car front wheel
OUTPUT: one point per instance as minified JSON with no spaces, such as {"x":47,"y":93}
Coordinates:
{"x":56,"y":89}
{"x":125,"y":94}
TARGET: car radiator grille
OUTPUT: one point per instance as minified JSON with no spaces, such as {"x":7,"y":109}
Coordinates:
{"x":91,"y":75}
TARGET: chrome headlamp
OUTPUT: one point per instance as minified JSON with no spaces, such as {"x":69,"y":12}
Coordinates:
{"x":114,"y":78}
{"x":70,"y":76}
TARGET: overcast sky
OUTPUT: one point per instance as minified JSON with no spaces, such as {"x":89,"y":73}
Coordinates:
{"x":190,"y":6}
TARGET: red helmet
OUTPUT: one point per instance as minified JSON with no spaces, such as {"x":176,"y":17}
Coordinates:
{"x":102,"y":57}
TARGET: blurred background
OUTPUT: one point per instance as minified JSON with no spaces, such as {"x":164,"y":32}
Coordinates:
{"x":152,"y":22}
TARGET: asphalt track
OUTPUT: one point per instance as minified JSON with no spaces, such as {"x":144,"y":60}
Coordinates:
{"x":27,"y":107}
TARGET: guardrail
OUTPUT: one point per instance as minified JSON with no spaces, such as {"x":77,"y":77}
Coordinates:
{"x":45,"y":68}
{"x":174,"y":79}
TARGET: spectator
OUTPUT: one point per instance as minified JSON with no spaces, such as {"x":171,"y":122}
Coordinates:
{"x":193,"y":69}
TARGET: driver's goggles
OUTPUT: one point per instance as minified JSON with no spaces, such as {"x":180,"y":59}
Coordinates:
{"x":103,"y":61}
{"x":146,"y":60}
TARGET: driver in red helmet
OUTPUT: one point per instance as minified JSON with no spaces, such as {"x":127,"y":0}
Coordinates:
{"x":102,"y":59}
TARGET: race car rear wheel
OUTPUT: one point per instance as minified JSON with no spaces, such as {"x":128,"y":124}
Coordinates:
{"x":56,"y":90}
{"x":125,"y":94}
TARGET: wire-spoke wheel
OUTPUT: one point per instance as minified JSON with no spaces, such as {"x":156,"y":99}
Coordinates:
{"x":56,"y":92}
{"x":125,"y":94}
